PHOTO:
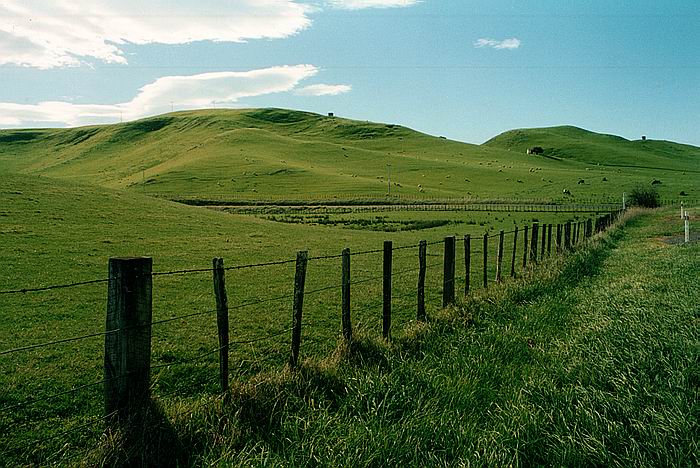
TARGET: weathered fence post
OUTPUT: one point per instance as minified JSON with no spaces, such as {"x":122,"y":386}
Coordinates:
{"x":686,"y":218}
{"x":386,"y":288}
{"x":499,"y":262}
{"x":567,"y":235}
{"x":559,"y":238}
{"x":533,"y":243}
{"x":544,"y":241}
{"x":448,"y":278}
{"x":299,"y":283}
{"x":467,"y":263}
{"x":422,"y":265}
{"x":347,"y":324}
{"x":525,"y":250}
{"x":515,"y":248}
{"x":682,"y":211}
{"x":589,"y":228}
{"x":127,"y":360}
{"x":549,"y":240}
{"x":222,"y":324}
{"x":486,"y":260}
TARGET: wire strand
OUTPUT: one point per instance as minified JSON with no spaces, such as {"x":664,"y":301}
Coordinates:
{"x":58,"y":286}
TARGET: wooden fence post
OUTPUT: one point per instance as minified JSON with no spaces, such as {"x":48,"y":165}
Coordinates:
{"x":559,"y":233}
{"x":544,"y":241}
{"x":567,"y":235}
{"x":299,"y":282}
{"x":222,"y":324}
{"x":515,"y":248}
{"x":127,"y":360}
{"x":499,"y":263}
{"x":448,"y":278}
{"x":347,"y":325}
{"x":386,"y":288}
{"x":533,"y":243}
{"x":486,"y":260}
{"x":422,"y":264}
{"x":549,"y":240}
{"x":525,"y":250}
{"x":589,"y":228}
{"x":467,"y":263}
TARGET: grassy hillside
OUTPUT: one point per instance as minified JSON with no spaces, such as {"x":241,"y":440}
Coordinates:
{"x":572,"y":143}
{"x":268,"y":153}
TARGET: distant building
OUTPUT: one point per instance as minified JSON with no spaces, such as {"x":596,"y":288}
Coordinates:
{"x":644,"y":137}
{"x":331,"y":114}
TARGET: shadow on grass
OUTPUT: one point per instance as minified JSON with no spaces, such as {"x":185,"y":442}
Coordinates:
{"x":148,"y":439}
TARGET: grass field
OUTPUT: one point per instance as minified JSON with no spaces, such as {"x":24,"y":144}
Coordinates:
{"x":71,"y":199}
{"x":592,"y":362}
{"x":272,"y":153}
{"x":65,"y":232}
{"x":57,"y":232}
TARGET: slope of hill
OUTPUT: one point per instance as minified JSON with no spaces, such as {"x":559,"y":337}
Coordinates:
{"x":267,"y":153}
{"x":574,"y":143}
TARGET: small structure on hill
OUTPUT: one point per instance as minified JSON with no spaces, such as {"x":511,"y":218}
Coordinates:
{"x":644,"y":138}
{"x":331,"y":114}
{"x":535,"y":150}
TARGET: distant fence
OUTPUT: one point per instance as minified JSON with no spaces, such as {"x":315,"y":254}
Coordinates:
{"x":404,"y":200}
{"x":496,"y":207}
{"x":127,"y":336}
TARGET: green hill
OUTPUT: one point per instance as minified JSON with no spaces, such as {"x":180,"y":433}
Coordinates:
{"x":581,"y":145}
{"x":275,"y":153}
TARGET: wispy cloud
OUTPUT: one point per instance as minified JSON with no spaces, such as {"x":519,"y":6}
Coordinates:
{"x":512,"y":43}
{"x":360,"y":4}
{"x":182,"y":92}
{"x":57,"y":33}
{"x":323,"y":90}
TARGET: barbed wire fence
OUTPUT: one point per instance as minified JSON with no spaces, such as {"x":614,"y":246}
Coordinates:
{"x":132,"y":375}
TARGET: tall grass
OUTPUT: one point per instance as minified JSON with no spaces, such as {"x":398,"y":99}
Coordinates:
{"x":592,"y":360}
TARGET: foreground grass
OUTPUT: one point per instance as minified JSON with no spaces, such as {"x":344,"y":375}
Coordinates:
{"x":592,"y":361}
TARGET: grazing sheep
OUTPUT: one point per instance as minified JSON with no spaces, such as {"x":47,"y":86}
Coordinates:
{"x":581,"y":181}
{"x":567,"y":192}
{"x":655,"y":182}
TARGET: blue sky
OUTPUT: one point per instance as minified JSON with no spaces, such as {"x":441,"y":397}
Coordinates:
{"x":466,"y":69}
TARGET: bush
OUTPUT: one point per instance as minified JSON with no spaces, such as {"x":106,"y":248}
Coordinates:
{"x":646,"y":197}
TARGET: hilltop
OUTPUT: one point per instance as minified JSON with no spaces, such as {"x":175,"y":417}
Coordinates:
{"x":268,"y":153}
{"x":568,"y":142}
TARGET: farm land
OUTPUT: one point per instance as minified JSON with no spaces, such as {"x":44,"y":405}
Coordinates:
{"x":71,"y":199}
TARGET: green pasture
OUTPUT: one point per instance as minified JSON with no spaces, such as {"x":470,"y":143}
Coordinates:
{"x":55,"y":232}
{"x":72,"y":198}
{"x":276,"y":153}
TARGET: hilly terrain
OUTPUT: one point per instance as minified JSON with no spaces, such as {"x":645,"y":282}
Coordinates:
{"x":276,"y":153}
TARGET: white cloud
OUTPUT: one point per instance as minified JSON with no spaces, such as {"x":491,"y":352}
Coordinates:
{"x":182,"y":92}
{"x":360,"y":4}
{"x":323,"y":90}
{"x":57,"y":33}
{"x":512,"y":43}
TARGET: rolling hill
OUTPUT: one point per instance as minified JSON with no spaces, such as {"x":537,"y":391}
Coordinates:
{"x":277,"y":153}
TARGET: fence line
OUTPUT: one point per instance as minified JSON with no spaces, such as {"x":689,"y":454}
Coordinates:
{"x":574,"y":234}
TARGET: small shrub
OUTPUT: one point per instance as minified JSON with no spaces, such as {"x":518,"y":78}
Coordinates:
{"x":646,"y":197}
